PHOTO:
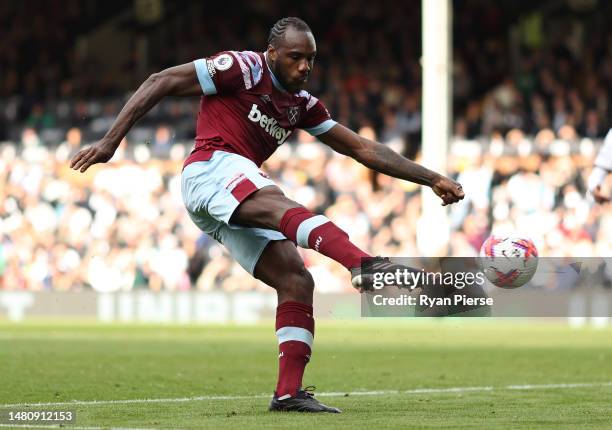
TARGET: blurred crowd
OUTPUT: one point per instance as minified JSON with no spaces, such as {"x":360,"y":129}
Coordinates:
{"x":530,"y":106}
{"x":550,"y":68}
{"x":122,"y":225}
{"x":514,"y":66}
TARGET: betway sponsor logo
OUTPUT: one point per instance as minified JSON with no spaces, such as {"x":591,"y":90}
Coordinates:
{"x":269,"y":124}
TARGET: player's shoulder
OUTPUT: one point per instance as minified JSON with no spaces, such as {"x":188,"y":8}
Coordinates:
{"x":252,"y":66}
{"x":308,"y":99}
{"x":248,"y":64}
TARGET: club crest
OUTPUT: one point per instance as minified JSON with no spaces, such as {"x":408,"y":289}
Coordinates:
{"x":293,"y":113}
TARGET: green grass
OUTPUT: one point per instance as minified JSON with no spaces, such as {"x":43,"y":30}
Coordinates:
{"x":60,"y":362}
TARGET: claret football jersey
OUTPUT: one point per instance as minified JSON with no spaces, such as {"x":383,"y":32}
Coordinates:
{"x":244,"y":109}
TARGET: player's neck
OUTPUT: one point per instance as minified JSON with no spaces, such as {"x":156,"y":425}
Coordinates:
{"x":275,"y":81}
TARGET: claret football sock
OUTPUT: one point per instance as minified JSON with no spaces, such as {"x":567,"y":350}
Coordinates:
{"x":295,"y":332}
{"x":317,"y":232}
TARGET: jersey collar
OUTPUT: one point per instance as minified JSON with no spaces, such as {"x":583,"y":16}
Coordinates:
{"x":275,"y":81}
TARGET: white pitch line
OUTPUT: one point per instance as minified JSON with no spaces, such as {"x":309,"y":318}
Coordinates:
{"x":570,"y":385}
{"x":323,"y":394}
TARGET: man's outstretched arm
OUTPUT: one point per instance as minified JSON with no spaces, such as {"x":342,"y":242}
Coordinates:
{"x":176,"y":81}
{"x":379,"y":157}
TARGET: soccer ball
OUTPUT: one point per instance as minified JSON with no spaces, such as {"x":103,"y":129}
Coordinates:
{"x":508,"y":262}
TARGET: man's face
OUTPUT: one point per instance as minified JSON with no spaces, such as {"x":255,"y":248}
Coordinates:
{"x":292,"y":59}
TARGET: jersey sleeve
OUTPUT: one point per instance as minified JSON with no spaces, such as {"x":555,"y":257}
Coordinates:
{"x":229,"y":71}
{"x":604,"y":158}
{"x":603,"y":164}
{"x":317,"y":120}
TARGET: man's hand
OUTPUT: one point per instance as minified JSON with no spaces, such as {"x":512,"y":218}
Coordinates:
{"x":99,"y":152}
{"x":599,"y":195}
{"x":448,"y":190}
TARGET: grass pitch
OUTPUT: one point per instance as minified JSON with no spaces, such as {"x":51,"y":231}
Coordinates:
{"x":383,"y":374}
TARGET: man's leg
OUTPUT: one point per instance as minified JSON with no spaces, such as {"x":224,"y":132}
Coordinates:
{"x":265,"y":254}
{"x":281,"y":267}
{"x":270,"y":208}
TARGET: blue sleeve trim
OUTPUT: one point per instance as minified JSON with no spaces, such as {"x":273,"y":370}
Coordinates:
{"x":206,"y":82}
{"x":324,"y":127}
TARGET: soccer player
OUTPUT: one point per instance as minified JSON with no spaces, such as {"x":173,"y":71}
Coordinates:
{"x":250,"y":104}
{"x":601,"y":169}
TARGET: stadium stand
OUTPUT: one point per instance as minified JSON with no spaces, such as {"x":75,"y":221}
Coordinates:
{"x":121,"y":226}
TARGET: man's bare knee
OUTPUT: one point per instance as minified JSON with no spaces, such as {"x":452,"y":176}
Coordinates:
{"x":281,"y":267}
{"x":293,"y":278}
{"x":302,"y":278}
{"x":299,"y":286}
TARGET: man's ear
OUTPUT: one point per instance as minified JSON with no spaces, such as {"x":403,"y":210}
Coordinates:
{"x":272,"y":53}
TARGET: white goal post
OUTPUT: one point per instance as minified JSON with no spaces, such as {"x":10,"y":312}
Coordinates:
{"x":433,"y":227}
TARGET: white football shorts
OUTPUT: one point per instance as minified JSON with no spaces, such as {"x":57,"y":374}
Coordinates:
{"x":213,"y":189}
